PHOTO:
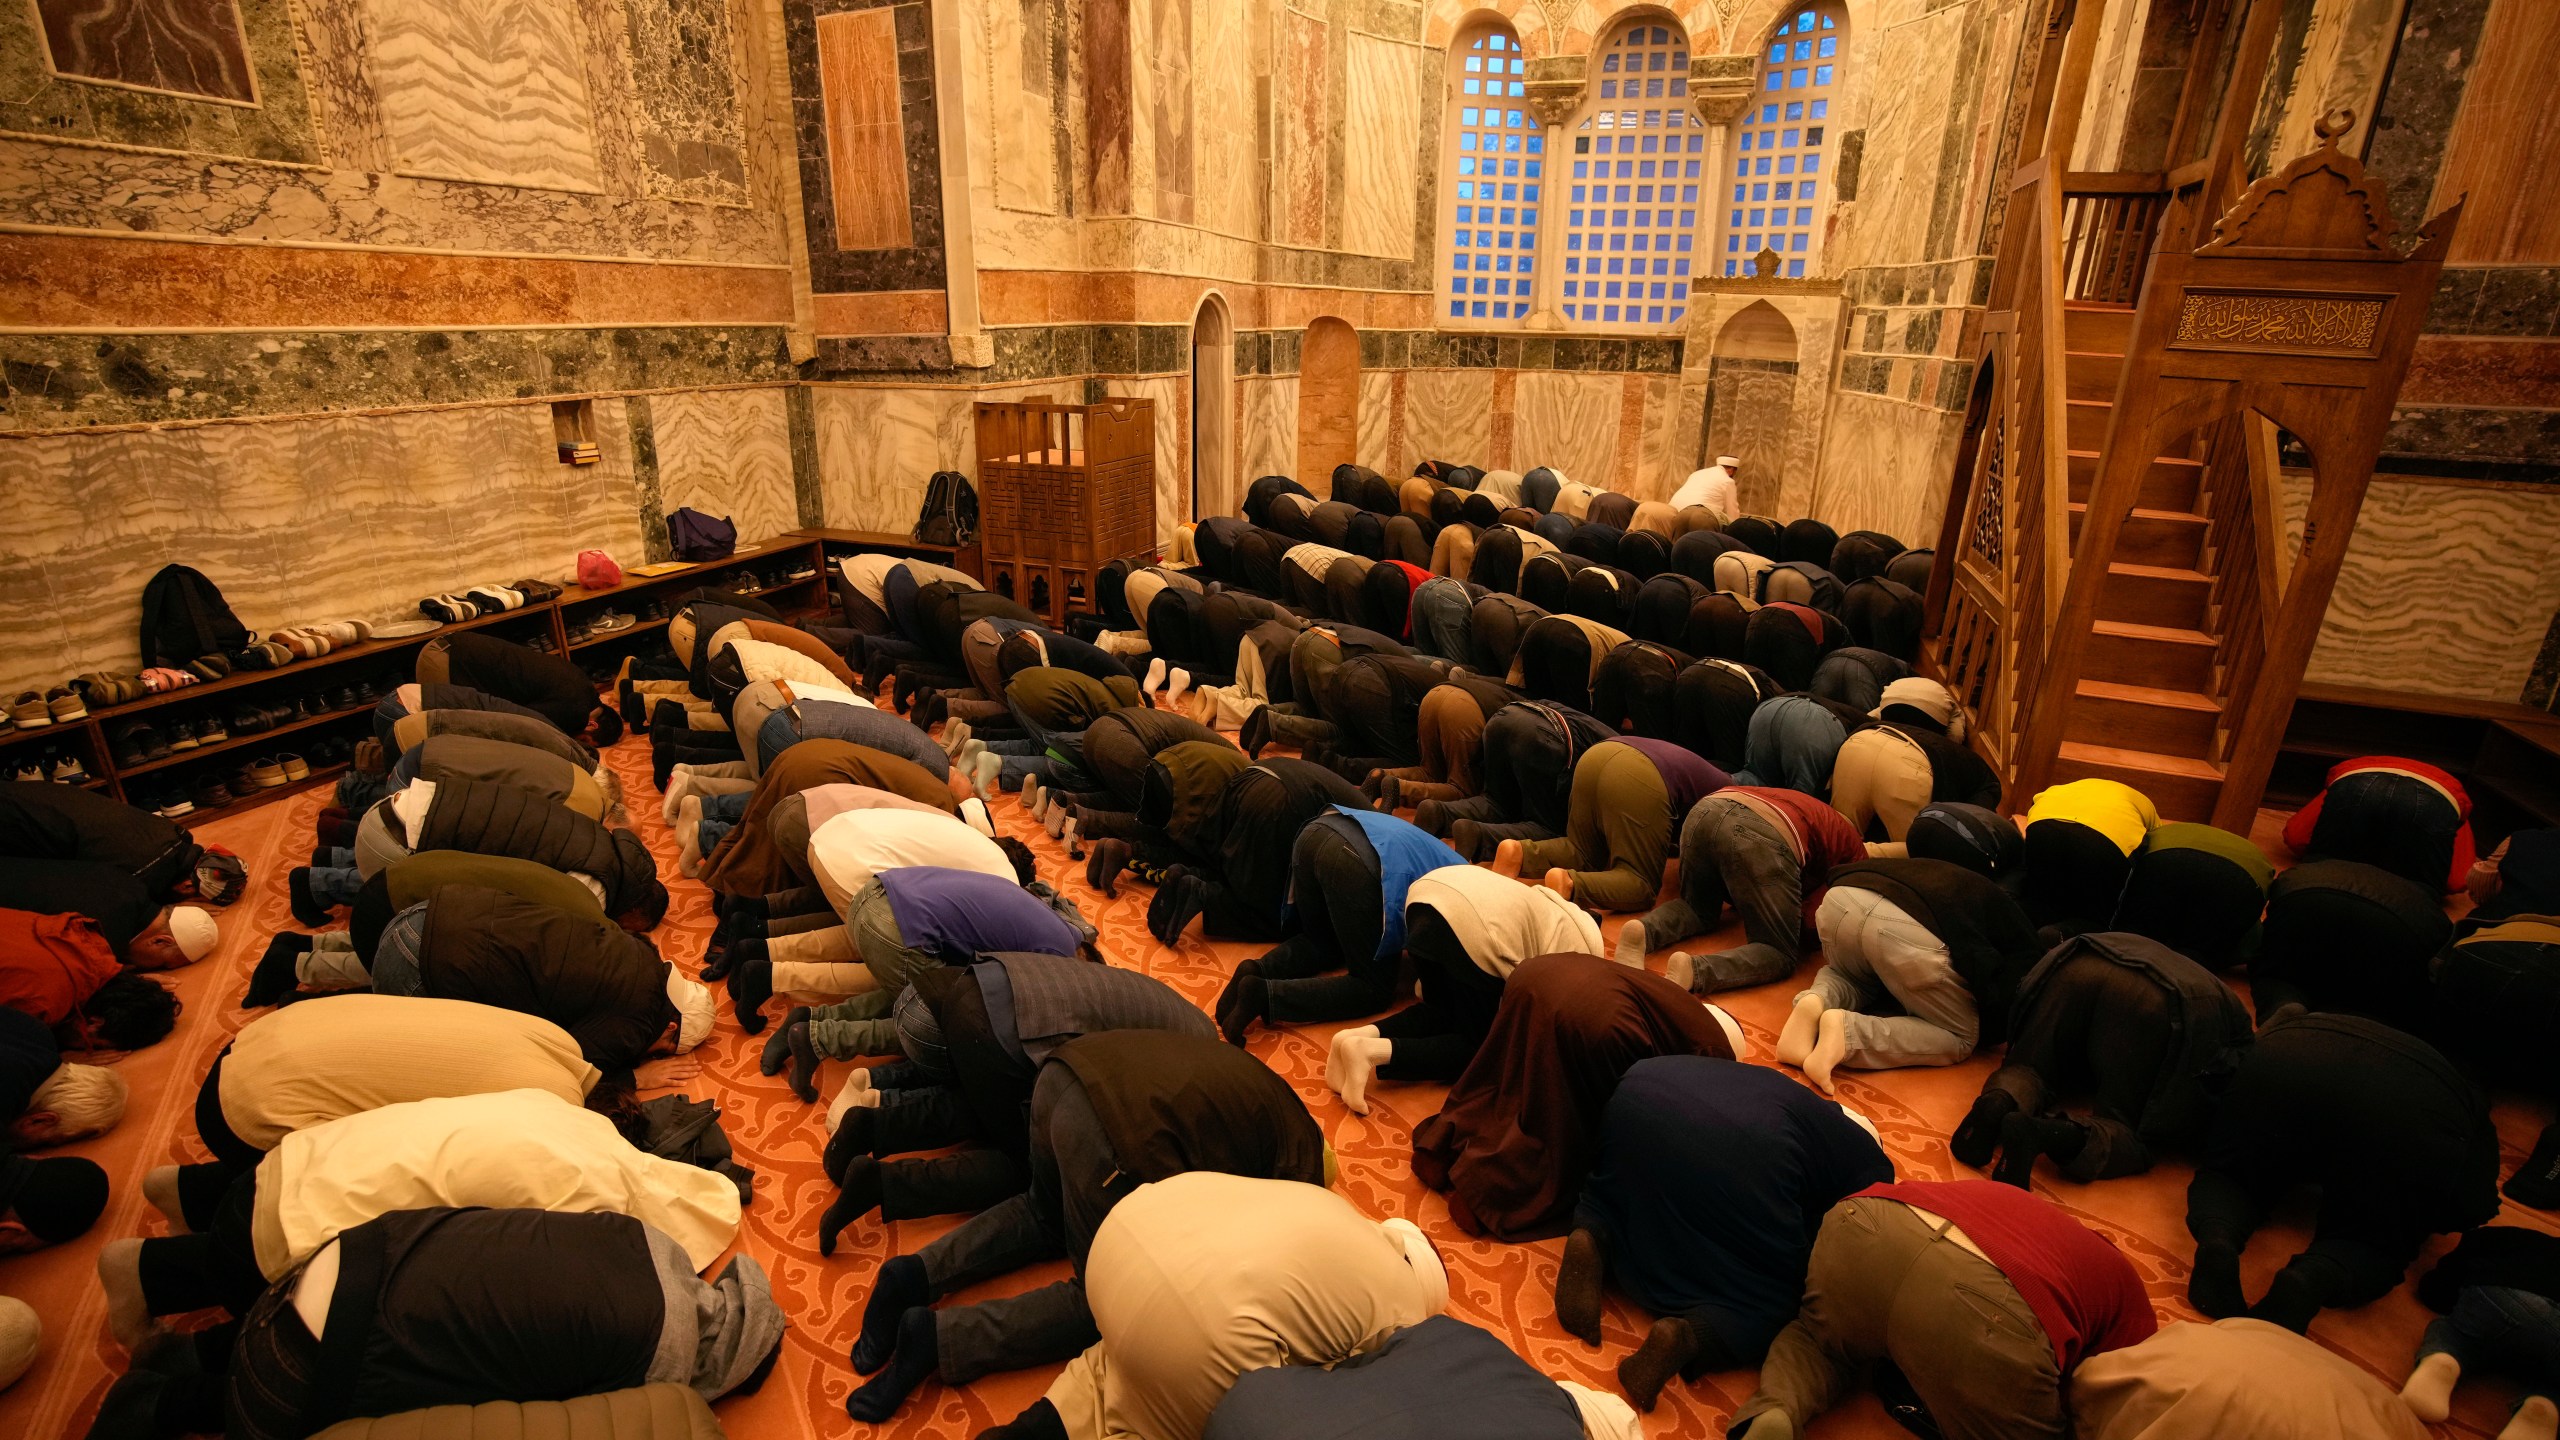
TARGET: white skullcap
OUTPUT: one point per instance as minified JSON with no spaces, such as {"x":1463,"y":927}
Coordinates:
{"x":694,"y":1010}
{"x":1732,"y":1032}
{"x":21,"y":1337}
{"x":1424,"y":1260}
{"x":194,"y":929}
{"x":1728,"y":461}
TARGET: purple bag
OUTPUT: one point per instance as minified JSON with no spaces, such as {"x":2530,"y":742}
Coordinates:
{"x":698,"y":537}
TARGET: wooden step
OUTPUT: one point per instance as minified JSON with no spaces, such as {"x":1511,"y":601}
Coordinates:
{"x":2182,"y":789}
{"x":2171,"y":539}
{"x":2170,"y":484}
{"x":2140,"y":717}
{"x":2155,"y":595}
{"x":2127,"y":654}
{"x":2087,"y":421}
{"x":2098,"y":329}
{"x":2091,"y":375}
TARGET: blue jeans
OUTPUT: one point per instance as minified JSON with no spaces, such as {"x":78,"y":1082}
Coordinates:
{"x":2513,"y":1332}
{"x":335,"y":885}
{"x":708,"y":835}
{"x":729,"y":808}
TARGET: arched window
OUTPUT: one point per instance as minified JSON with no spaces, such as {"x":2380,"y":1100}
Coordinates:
{"x":1489,"y":173}
{"x":1783,"y":146}
{"x":1632,"y":213}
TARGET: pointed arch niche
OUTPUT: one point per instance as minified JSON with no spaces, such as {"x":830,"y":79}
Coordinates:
{"x":1328,"y":402}
{"x":1213,"y":408}
{"x":1754,"y":372}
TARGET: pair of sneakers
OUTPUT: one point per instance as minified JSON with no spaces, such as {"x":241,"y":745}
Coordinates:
{"x":34,"y":710}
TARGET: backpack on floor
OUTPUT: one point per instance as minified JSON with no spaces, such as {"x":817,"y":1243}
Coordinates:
{"x":950,"y":515}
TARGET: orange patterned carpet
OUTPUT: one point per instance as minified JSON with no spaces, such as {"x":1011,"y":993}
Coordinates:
{"x":1505,"y":1288}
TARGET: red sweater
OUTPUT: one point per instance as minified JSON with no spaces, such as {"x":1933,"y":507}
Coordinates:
{"x":2298,"y":830}
{"x":2083,"y":1291}
{"x":51,"y":964}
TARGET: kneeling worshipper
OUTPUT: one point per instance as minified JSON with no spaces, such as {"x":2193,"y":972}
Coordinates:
{"x":1702,"y":1206}
{"x":900,"y":923}
{"x":1530,"y":750}
{"x":1983,"y":1297}
{"x":2199,"y":891}
{"x":749,"y":857}
{"x":1920,"y":961}
{"x":1349,"y":874}
{"x":411,"y":713}
{"x":1711,"y":708}
{"x":59,"y":971}
{"x":2141,"y":1030}
{"x":1466,"y":930}
{"x":137,"y":931}
{"x":1885,"y":774}
{"x":971,"y":1038}
{"x":1110,"y":1113}
{"x":1630,"y":797}
{"x":2081,"y":837}
{"x":1052,"y":707}
{"x":609,"y":988}
{"x":1195,"y":1280}
{"x":1178,"y":816}
{"x":2236,"y":1377}
{"x":442,"y":1306}
{"x":1515,"y":1139}
{"x":1766,"y":852}
{"x":1441,"y":1377}
{"x":1559,"y":656}
{"x":2497,"y":1300}
{"x":411,"y":880}
{"x":1244,"y":893}
{"x":1449,"y":737}
{"x":2497,"y":995}
{"x":41,"y":820}
{"x":1981,"y":840}
{"x":1795,"y":740}
{"x":487,"y":817}
{"x":2397,"y":1142}
{"x":808,"y":946}
{"x":44,"y":1099}
{"x":2345,"y":936}
{"x":519,"y":1149}
{"x":1115,"y":754}
{"x":551,"y":687}
{"x":342,"y":1055}
{"x":2406,"y":816}
{"x":1857,"y":677}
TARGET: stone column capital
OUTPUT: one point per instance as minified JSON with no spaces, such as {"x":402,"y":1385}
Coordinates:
{"x":1721,"y":86}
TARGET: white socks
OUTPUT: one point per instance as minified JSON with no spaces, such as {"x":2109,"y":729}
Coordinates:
{"x":1631,"y":945}
{"x":954,"y":736}
{"x":1031,"y":795}
{"x":1680,"y":970}
{"x":2429,"y":1391}
{"x":986,"y":768}
{"x":679,"y":785}
{"x":160,"y":1187}
{"x":1155,"y":676}
{"x":2535,"y":1419}
{"x":1796,"y":1037}
{"x":856,"y":1091}
{"x":1353,"y":1063}
{"x":689,"y":837}
{"x":1181,"y":684}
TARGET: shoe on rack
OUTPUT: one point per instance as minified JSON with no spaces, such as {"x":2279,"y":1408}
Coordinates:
{"x":209,"y":729}
{"x":344,"y":698}
{"x":170,"y":804}
{"x":294,"y":767}
{"x":211,"y":793}
{"x":30,"y":773}
{"x":182,"y":735}
{"x":264,"y":772}
{"x":310,"y":707}
{"x":69,"y":771}
{"x":131,"y":746}
{"x":65,"y":704}
{"x":249,"y":719}
{"x":30,"y":711}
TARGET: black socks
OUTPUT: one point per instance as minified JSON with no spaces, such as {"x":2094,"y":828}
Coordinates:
{"x":1104,"y":863}
{"x":2537,"y":1181}
{"x":852,"y":1137}
{"x":306,"y":909}
{"x":750,"y":985}
{"x":2024,"y":1137}
{"x":1979,"y":1133}
{"x":901,"y":1287}
{"x":778,"y":1049}
{"x":914,"y":1359}
{"x":1578,"y":1286}
{"x":2292,"y":1299}
{"x":1671,"y":1345}
{"x":1178,"y":901}
{"x":1255,"y":732}
{"x":276,"y":976}
{"x":860,"y":1196}
{"x":2214,"y":1288}
{"x":1247,"y":998}
{"x":804,"y":1061}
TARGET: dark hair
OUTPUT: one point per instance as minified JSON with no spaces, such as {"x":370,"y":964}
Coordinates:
{"x":1025,"y":867}
{"x":616,"y":1097}
{"x":606,"y":725}
{"x":131,"y":1010}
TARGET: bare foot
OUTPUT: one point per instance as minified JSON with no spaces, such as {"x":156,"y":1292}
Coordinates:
{"x":1830,"y":1044}
{"x":2429,"y":1391}
{"x":1560,"y":881}
{"x":160,"y":1187}
{"x":1795,"y":1040}
{"x":1507,"y":858}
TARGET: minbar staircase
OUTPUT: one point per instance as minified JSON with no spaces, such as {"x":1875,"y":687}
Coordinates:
{"x":2117,"y":594}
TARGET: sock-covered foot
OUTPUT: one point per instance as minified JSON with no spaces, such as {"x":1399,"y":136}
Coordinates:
{"x":1631,"y":945}
{"x":804,"y":1063}
{"x":1054,"y":819}
{"x":1246,"y":999}
{"x":1067,"y":837}
{"x":1579,"y":1282}
{"x":677,"y":785}
{"x":954,"y":736}
{"x":1177,"y":903}
{"x":1767,"y":1425}
{"x":2537,"y":1181}
{"x":1508,"y":857}
{"x":933,"y":709}
{"x":750,"y":985}
{"x":120,"y":1274}
{"x":854,"y":1136}
{"x":1682,"y":971}
{"x":858,"y":1195}
{"x":2428,"y":1391}
{"x":1390,"y":793}
{"x":1670,"y":1345}
{"x":1031,"y":795}
{"x":2290,"y":1301}
{"x":915,"y":1361}
{"x":2214,"y":1285}
{"x":1979,"y":1133}
{"x":275,"y":976}
{"x":1353,"y":1062}
{"x":985,"y":773}
{"x":2536,"y":1419}
{"x":1179,"y":685}
{"x":1041,"y":1422}
{"x":307,"y":910}
{"x":160,"y":1187}
{"x":1830,"y":1046}
{"x":777,"y":1049}
{"x":1255,"y":732}
{"x":1432,"y":818}
{"x":1804,"y":1021}
{"x":901,"y":1286}
{"x":856,"y":1090}
{"x":1104,"y":863}
{"x":1155,"y":676}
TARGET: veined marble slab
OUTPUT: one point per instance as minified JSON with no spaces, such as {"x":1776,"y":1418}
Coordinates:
{"x":492,"y":90}
{"x":1567,"y":421}
{"x":727,"y":452}
{"x":1381,"y":128}
{"x":1448,"y":415}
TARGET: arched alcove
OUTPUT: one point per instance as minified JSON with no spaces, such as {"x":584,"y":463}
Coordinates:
{"x":1751,"y":400}
{"x":1213,"y":371}
{"x":1328,"y":402}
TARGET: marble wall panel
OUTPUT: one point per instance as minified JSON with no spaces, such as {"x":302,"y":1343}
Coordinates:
{"x":2385,"y":631}
{"x":866,"y":132}
{"x":1448,"y":415}
{"x":1751,"y":414}
{"x":1378,"y":448}
{"x":727,"y":452}
{"x":1231,"y":171}
{"x":359,"y":515}
{"x":877,"y":448}
{"x":1907,"y":119}
{"x":488,"y":90}
{"x":1567,"y":422}
{"x":1381,"y":126}
{"x":1269,"y":435}
{"x":1025,"y":65}
{"x":38,"y":100}
{"x":1172,"y":394}
{"x":1304,"y":124}
{"x":1108,"y":104}
{"x":1884,"y":467}
{"x":191,"y":47}
{"x":1657,"y":473}
{"x":692,"y":139}
{"x":1174,"y":130}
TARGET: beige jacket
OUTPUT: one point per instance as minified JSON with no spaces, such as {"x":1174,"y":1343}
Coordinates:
{"x":342,"y":1055}
{"x":2232,"y":1378}
{"x":1501,"y":921}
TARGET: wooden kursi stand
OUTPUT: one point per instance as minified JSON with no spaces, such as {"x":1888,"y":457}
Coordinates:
{"x":1064,"y":490}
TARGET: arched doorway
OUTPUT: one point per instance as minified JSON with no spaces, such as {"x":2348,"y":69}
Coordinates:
{"x":1751,"y":394}
{"x":1328,"y":402}
{"x":1213,"y":408}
